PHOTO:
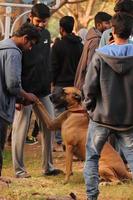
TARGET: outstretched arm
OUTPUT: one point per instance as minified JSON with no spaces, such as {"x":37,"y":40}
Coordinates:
{"x":42,"y":113}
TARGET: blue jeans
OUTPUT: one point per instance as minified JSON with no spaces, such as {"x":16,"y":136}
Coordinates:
{"x":97,"y":136}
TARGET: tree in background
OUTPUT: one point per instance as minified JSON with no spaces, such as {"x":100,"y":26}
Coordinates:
{"x":83,"y":12}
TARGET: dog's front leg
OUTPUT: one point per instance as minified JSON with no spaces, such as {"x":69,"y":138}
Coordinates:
{"x":69,"y":159}
{"x":46,"y":119}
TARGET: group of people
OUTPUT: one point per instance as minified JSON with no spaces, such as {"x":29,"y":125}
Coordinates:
{"x":30,"y":70}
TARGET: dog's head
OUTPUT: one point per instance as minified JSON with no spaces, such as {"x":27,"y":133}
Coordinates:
{"x":65,"y":97}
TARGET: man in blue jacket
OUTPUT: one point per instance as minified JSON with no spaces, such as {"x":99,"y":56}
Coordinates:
{"x":10,"y":76}
{"x":108,"y":92}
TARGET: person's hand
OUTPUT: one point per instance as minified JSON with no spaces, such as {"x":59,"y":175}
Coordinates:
{"x":28,"y":98}
{"x":31,"y":97}
{"x":18,"y":106}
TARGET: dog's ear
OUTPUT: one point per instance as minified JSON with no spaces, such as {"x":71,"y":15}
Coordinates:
{"x":77,"y":97}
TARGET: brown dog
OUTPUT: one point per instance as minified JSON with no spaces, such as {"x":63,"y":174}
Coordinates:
{"x":74,"y":123}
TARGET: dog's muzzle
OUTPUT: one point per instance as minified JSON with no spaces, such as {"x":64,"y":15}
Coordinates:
{"x":58,"y":99}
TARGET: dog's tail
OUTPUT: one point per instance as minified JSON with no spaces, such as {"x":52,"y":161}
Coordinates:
{"x":73,"y":196}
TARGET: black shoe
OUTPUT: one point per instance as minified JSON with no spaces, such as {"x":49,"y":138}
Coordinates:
{"x":54,"y":172}
{"x":31,"y":140}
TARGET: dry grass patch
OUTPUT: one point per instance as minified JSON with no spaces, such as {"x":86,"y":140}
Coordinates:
{"x":43,"y":188}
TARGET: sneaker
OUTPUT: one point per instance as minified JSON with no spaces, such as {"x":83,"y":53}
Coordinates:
{"x":31,"y":140}
{"x":23,"y":175}
{"x":54,"y":172}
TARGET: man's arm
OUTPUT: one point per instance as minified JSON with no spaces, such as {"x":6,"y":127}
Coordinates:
{"x":46,"y":119}
{"x":13,"y":78}
{"x":91,"y":86}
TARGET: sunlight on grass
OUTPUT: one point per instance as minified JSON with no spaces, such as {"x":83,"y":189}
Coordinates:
{"x":39,"y":187}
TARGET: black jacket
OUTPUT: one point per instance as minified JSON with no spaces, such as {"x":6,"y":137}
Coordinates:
{"x":36,"y":67}
{"x":108,"y":88}
{"x":65,"y":57}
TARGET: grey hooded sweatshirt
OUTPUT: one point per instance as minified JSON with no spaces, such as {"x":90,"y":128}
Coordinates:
{"x":10,"y":78}
{"x":108,"y":87}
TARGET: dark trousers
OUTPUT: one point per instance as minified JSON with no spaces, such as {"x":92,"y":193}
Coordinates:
{"x":3,"y":133}
{"x":35,"y":130}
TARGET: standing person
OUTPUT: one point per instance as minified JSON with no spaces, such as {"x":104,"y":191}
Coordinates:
{"x":102,"y":23}
{"x":122,"y":6}
{"x":35,"y":78}
{"x":125,"y":6}
{"x":10,"y":76}
{"x":109,"y":100}
{"x":65,"y":57}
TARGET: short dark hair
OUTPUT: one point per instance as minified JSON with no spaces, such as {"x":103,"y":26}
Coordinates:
{"x":28,"y":29}
{"x":124,"y":6}
{"x":40,"y":10}
{"x":101,"y":17}
{"x":122,"y":24}
{"x":67,"y":23}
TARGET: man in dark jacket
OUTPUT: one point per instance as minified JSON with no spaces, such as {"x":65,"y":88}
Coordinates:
{"x":65,"y":56}
{"x":102,"y":23}
{"x":108,"y":92}
{"x":35,"y":78}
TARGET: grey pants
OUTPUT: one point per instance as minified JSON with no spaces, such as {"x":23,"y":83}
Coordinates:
{"x":19,"y":133}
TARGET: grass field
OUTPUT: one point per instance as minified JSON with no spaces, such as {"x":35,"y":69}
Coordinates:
{"x":43,"y":188}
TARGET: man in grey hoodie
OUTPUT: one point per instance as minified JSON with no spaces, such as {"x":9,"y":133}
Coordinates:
{"x":10,"y":76}
{"x":108,"y":92}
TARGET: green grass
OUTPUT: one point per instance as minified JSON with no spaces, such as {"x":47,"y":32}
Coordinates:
{"x":40,"y":188}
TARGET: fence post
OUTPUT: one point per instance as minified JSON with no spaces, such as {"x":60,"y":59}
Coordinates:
{"x":8,"y":22}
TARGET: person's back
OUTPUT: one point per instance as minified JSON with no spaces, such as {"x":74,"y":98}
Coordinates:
{"x":108,"y":92}
{"x":116,"y":85}
{"x":65,"y":57}
{"x":116,"y":74}
{"x":102,"y":22}
{"x":92,"y":41}
{"x":68,"y":51}
{"x":66,"y":54}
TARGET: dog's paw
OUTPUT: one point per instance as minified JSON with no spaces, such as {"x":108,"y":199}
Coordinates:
{"x":65,"y":181}
{"x":103,"y":183}
{"x":5,"y":180}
